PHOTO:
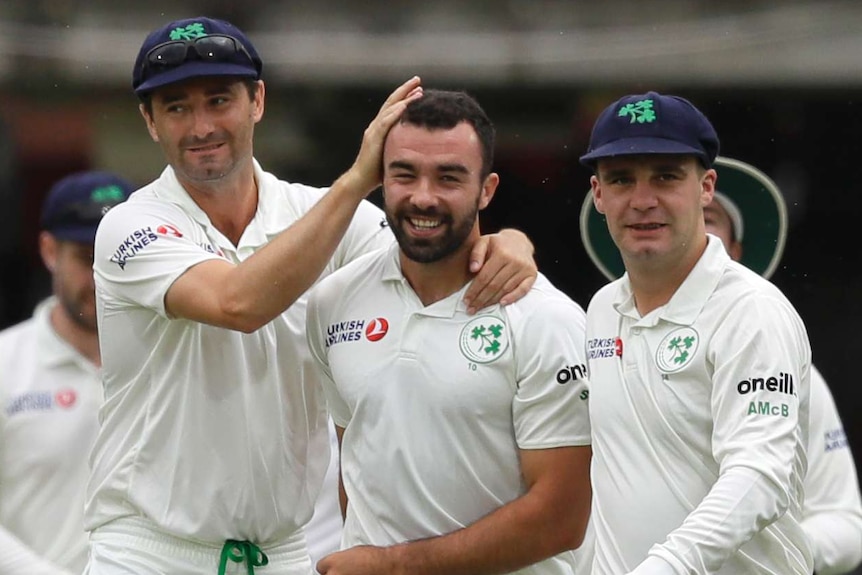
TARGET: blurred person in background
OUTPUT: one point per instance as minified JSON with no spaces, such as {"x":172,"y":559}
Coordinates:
{"x":748,"y":214}
{"x":50,"y":390}
{"x":213,"y":441}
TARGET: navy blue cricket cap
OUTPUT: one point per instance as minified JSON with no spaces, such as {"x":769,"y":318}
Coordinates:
{"x":182,"y":59}
{"x":651,"y":123}
{"x":76,"y":203}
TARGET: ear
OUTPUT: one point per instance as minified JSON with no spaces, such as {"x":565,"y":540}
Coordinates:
{"x":257,"y":104}
{"x":489,"y":188}
{"x":735,"y":251}
{"x":151,"y":126}
{"x":707,"y":187}
{"x":48,"y":249}
{"x":596,"y":189}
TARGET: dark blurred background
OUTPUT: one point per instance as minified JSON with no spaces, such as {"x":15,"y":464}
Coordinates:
{"x":781,"y":80}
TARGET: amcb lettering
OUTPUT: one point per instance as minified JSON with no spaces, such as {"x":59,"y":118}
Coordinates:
{"x":766,"y":408}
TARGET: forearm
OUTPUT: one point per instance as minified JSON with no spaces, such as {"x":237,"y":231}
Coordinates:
{"x":259,"y":289}
{"x":269,"y":282}
{"x":741,"y":503}
{"x":520,"y":533}
{"x":18,"y":559}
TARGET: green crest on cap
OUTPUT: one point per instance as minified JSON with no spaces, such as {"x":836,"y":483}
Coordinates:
{"x":641,"y":112}
{"x":105,"y":194}
{"x":755,"y":194}
{"x":190,"y":32}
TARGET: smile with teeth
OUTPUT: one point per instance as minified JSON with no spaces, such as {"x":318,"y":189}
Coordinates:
{"x":424,"y":223}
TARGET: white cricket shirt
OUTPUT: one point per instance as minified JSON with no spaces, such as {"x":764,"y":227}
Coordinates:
{"x":699,"y":413}
{"x":436,"y":403}
{"x":49,"y":400}
{"x":832,"y":514}
{"x":323,"y":531}
{"x":209,"y":433}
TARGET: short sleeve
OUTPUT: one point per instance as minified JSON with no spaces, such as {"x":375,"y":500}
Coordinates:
{"x":368,"y":232}
{"x":551,"y":402}
{"x":316,"y":334}
{"x":141,"y":248}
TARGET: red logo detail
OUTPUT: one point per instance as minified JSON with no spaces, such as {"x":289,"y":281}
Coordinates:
{"x":168,"y":230}
{"x":65,"y":398}
{"x":376,"y":329}
{"x":618,"y":347}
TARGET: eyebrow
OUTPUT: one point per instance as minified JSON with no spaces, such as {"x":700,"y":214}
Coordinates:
{"x":674,"y":167}
{"x":458,"y":168}
{"x":615,"y":173}
{"x":172,"y":96}
{"x":444,"y":168}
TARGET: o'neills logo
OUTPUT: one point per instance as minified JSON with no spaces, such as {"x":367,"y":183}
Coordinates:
{"x":354,"y":329}
{"x":781,"y":384}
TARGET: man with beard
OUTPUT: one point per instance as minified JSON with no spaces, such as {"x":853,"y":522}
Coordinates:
{"x":213,"y":442}
{"x":50,"y":391}
{"x":464,"y":439}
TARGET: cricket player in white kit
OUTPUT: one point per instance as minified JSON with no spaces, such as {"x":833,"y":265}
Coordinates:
{"x":213,"y":442}
{"x":699,"y":368}
{"x":50,"y":391}
{"x":464,"y":439}
{"x":749,"y":209}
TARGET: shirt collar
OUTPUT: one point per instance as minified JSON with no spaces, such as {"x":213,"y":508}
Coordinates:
{"x":691,"y":296}
{"x":268,"y":221}
{"x":52,"y":349}
{"x":446,"y":307}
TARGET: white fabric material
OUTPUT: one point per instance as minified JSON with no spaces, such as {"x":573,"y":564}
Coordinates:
{"x":210,"y":433}
{"x":701,"y":394}
{"x":832,"y":514}
{"x":49,"y":399}
{"x":432,"y":432}
{"x":134,"y":546}
{"x":323,"y":532}
{"x":584,"y":554}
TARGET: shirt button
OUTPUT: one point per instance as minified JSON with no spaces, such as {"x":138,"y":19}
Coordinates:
{"x":636,"y":331}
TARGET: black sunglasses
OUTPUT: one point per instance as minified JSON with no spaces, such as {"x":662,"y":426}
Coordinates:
{"x":212,"y":48}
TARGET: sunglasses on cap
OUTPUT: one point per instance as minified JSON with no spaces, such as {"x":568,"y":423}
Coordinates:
{"x":212,"y":48}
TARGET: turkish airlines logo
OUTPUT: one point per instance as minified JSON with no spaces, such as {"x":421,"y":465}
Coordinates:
{"x":376,"y":329}
{"x":168,"y":230}
{"x":65,"y":398}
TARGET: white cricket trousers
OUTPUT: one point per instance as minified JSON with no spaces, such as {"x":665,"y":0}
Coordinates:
{"x":132,"y":546}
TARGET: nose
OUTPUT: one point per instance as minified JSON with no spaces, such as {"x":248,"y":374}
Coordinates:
{"x":643,"y":196}
{"x":203,"y":124}
{"x":423,"y":196}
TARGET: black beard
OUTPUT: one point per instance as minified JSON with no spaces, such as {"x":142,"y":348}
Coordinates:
{"x":429,"y":251}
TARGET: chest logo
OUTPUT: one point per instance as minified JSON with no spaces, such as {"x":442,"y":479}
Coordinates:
{"x":65,"y":398}
{"x":169,"y":230}
{"x":676,"y":350}
{"x":376,"y":329}
{"x":484,"y":339}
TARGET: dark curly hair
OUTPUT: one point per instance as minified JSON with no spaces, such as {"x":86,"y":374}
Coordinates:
{"x":443,"y":109}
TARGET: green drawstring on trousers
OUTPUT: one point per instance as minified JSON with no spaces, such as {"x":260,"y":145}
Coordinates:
{"x":239,"y":551}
